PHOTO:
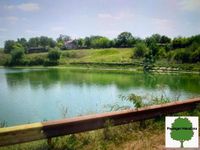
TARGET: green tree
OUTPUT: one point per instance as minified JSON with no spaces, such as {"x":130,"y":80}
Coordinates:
{"x":195,"y":56}
{"x":164,"y":39}
{"x":140,"y":50}
{"x":87,"y":41}
{"x":182,"y":56}
{"x":156,"y":37}
{"x":63,"y":38}
{"x":23,"y":42}
{"x":54,"y":55}
{"x":182,"y":130}
{"x":9,"y":46}
{"x":100,"y":42}
{"x":34,"y":42}
{"x":80,"y":43}
{"x":17,"y":54}
{"x":47,"y":42}
{"x":180,"y":42}
{"x":125,"y":39}
{"x":161,"y":53}
{"x":148,"y":62}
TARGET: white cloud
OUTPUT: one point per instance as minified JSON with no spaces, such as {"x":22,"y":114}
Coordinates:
{"x":3,"y":30}
{"x":28,"y":7}
{"x":12,"y":19}
{"x":189,"y":5}
{"x":119,"y":16}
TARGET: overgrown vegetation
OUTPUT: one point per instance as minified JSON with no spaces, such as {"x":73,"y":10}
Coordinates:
{"x":129,"y":136}
{"x":148,"y":51}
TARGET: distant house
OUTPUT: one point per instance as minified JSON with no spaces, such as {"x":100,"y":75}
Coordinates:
{"x":37,"y":49}
{"x":71,"y":44}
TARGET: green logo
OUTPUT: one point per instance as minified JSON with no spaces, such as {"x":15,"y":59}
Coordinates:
{"x":182,"y":130}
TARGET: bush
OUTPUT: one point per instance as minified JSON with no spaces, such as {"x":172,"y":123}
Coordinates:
{"x":170,"y":55}
{"x":195,"y":56}
{"x":161,"y":53}
{"x":140,"y":50}
{"x":54,"y":55}
{"x":9,"y":46}
{"x":182,"y":56}
{"x":17,"y":55}
{"x":37,"y":60}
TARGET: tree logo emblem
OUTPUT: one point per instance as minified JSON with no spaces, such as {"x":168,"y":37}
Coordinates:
{"x":181,"y":132}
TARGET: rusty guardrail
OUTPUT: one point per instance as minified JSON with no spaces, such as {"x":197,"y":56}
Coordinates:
{"x":49,"y":129}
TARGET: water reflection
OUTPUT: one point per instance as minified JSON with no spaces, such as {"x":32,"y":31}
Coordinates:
{"x":31,"y":95}
{"x":51,"y":77}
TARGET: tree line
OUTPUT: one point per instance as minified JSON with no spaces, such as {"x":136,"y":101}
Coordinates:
{"x":179,"y":49}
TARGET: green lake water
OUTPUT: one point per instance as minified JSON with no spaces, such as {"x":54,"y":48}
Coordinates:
{"x":33,"y":95}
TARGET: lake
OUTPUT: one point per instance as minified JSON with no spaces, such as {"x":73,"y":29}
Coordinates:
{"x":33,"y":95}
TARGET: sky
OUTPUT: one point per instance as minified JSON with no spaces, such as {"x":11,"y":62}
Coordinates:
{"x":80,"y":18}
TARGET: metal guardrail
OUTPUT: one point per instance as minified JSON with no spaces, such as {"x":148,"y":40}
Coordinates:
{"x":49,"y":129}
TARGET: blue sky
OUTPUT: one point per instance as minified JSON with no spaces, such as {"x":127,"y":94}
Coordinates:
{"x":80,"y":18}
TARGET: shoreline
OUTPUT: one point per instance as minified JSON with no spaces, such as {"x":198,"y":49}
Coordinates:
{"x":102,"y":67}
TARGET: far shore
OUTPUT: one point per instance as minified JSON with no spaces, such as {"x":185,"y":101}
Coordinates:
{"x":119,"y":69}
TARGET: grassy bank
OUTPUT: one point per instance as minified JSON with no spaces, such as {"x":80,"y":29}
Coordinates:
{"x":112,"y":58}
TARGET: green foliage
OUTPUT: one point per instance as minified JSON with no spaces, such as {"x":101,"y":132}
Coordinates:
{"x":164,"y":39}
{"x":36,"y":60}
{"x":161,"y":53}
{"x":125,"y":39}
{"x":195,"y":56}
{"x":182,"y":56}
{"x":63,"y":38}
{"x":80,"y":43}
{"x":23,"y":42}
{"x":148,"y":62}
{"x":34,"y":42}
{"x":42,"y":41}
{"x":101,"y":42}
{"x":17,"y":54}
{"x":157,"y":39}
{"x":9,"y":46}
{"x":60,"y":44}
{"x":179,"y":50}
{"x":135,"y":100}
{"x":46,"y":42}
{"x":54,"y":55}
{"x":178,"y":132}
{"x":180,"y":42}
{"x":140,"y":50}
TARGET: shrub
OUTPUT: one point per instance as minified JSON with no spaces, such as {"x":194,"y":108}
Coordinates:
{"x":161,"y":53}
{"x":54,"y":55}
{"x":195,"y":56}
{"x":37,"y":60}
{"x":17,"y":54}
{"x":170,"y":55}
{"x":140,"y":50}
{"x":182,"y":56}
